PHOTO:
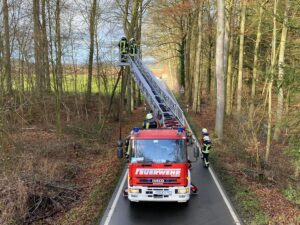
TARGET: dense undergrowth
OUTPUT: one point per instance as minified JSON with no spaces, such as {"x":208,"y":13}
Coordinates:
{"x":51,"y":178}
{"x":265,"y":195}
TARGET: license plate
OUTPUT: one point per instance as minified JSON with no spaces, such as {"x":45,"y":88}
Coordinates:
{"x":160,"y":192}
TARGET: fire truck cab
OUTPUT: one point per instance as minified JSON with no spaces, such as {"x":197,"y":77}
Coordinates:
{"x":158,"y":165}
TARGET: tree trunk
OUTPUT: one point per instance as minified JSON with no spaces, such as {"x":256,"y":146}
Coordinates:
{"x":226,"y":35}
{"x":210,"y":53}
{"x":270,"y":82}
{"x":229,"y":60}
{"x":220,"y":69}
{"x":59,"y":69}
{"x":91,"y":51}
{"x":281,"y":73}
{"x":45,"y":49}
{"x":241,"y":57}
{"x":182,"y":62}
{"x":139,"y":33}
{"x":193,"y":52}
{"x":7,"y":47}
{"x":254,"y":77}
{"x":187,"y":60}
{"x":37,"y":46}
{"x":209,"y":70}
{"x":197,"y":74}
{"x":2,"y":77}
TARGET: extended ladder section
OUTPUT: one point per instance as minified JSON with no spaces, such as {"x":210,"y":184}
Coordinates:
{"x":145,"y":89}
{"x":159,"y":97}
{"x":169,"y":110}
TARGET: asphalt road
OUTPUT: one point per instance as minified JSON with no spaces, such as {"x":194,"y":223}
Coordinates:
{"x":207,"y":207}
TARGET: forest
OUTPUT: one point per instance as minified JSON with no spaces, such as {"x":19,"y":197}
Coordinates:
{"x":234,"y":66}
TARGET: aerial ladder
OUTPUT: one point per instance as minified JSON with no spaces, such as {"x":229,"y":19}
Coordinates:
{"x":162,"y":102}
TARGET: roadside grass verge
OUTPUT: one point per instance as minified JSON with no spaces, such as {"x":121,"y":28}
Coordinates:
{"x":292,"y":194}
{"x":94,"y":202}
{"x":245,"y":201}
{"x":100,"y":178}
{"x":58,"y":179}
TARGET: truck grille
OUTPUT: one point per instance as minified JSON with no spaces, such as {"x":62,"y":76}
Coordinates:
{"x":158,"y":180}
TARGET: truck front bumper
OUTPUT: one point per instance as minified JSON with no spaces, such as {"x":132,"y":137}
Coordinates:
{"x":158,"y":194}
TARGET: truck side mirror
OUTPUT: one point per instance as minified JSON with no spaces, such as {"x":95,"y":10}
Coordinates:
{"x":196,"y":152}
{"x":120,"y":149}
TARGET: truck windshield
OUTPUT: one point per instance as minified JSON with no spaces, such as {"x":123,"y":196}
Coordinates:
{"x":158,"y":151}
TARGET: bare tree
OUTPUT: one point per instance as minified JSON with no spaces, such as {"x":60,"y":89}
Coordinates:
{"x":92,"y":23}
{"x":270,"y":80}
{"x":197,"y":74}
{"x":220,"y":75}
{"x":7,"y":47}
{"x":255,"y":60}
{"x":241,"y":58}
{"x":281,"y":73}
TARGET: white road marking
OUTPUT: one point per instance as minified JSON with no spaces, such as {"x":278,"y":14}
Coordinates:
{"x":228,"y":204}
{"x":112,"y":209}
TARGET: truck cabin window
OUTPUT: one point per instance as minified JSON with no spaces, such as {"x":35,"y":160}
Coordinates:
{"x":158,"y":151}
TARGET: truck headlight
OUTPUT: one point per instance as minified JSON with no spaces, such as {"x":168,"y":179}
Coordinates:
{"x":182,"y":190}
{"x":133,"y":190}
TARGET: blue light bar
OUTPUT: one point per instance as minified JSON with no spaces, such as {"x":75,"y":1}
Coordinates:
{"x":136,"y":130}
{"x":180,"y":130}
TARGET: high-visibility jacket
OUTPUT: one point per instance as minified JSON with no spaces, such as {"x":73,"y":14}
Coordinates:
{"x":206,"y":148}
{"x":127,"y":145}
{"x":149,"y":124}
{"x":123,"y":46}
{"x":133,"y":49}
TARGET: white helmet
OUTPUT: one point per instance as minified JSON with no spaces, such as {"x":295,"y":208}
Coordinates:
{"x":204,"y":131}
{"x":206,"y":138}
{"x":149,"y":116}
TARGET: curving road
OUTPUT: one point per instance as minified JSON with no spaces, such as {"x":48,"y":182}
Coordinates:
{"x":209,"y":207}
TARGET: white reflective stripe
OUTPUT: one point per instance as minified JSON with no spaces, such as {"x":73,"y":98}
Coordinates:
{"x":228,"y":204}
{"x":112,"y":209}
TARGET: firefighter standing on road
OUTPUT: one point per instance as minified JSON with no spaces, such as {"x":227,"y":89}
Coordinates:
{"x":204,"y":133}
{"x":189,"y":135}
{"x":123,"y":48}
{"x":206,"y":147}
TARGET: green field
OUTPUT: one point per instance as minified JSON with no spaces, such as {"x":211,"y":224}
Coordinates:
{"x":71,"y":84}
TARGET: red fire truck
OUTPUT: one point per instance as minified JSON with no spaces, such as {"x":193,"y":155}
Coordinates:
{"x":158,"y":165}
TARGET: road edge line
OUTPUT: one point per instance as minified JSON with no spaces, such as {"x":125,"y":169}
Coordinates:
{"x":114,"y":199}
{"x":225,"y":198}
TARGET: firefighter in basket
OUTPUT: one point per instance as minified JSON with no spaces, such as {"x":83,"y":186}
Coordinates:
{"x":133,"y":49}
{"x":123,"y":48}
